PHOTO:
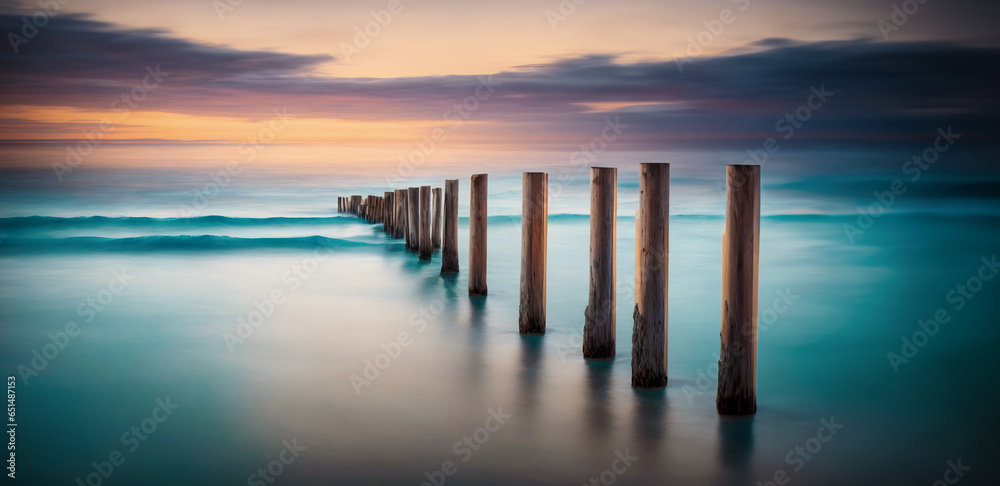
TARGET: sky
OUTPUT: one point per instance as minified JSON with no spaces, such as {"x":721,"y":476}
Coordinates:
{"x":514,"y":76}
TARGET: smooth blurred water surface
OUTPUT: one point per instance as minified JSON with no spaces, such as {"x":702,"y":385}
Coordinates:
{"x":347,"y":292}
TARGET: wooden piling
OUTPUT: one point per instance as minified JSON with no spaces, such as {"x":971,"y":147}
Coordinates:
{"x":399,"y":201}
{"x":426,"y":245}
{"x":599,"y":317}
{"x":534,"y":235}
{"x":413,"y":218}
{"x":737,"y":393}
{"x":477,"y":235}
{"x":449,"y":254}
{"x":649,"y":334}
{"x":387,"y":213}
{"x":436,"y":221}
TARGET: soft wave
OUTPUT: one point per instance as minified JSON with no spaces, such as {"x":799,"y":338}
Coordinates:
{"x":176,"y":243}
{"x":27,"y":222}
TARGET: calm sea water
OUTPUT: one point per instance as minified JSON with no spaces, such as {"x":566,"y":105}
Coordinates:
{"x":156,"y":288}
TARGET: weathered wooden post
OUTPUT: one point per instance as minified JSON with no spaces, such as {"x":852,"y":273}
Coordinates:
{"x":534,"y":236}
{"x":413,"y":218}
{"x":399,"y":228}
{"x":449,"y":254}
{"x":737,"y":394}
{"x":426,"y":245}
{"x":390,"y":211}
{"x":477,"y":235}
{"x":386,"y":212}
{"x":436,"y":222}
{"x":649,"y":334}
{"x":599,"y":317}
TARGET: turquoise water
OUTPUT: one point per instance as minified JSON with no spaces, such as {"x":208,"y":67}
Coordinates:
{"x":157,"y":301}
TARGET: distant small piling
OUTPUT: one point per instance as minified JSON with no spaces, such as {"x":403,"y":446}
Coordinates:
{"x":649,"y":333}
{"x":449,"y":254}
{"x":534,"y":234}
{"x":436,"y":219}
{"x":425,"y":242}
{"x":599,"y":317}
{"x":737,"y":392}
{"x":413,"y":218}
{"x":477,"y":235}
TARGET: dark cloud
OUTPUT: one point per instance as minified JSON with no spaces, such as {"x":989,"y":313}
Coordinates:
{"x":883,"y":91}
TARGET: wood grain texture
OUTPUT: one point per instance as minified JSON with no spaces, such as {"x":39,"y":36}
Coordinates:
{"x":599,"y":316}
{"x":534,"y":236}
{"x":449,"y":254}
{"x":412,"y":218}
{"x":436,"y":219}
{"x":426,"y":245}
{"x":737,"y":392}
{"x":477,"y":235}
{"x":649,"y":332}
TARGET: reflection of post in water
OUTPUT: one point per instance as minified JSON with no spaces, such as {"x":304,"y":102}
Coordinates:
{"x":598,"y":416}
{"x":477,"y":333}
{"x":531,"y":367}
{"x":650,"y":407}
{"x":736,"y":447}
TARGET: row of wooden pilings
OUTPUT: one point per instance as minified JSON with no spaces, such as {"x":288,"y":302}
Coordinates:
{"x":407,"y":213}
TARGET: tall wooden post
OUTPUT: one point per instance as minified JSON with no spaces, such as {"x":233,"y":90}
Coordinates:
{"x":426,"y":245}
{"x":412,"y":218}
{"x":477,"y":235}
{"x":599,"y":317}
{"x":534,"y":236}
{"x":449,"y":254}
{"x":737,"y":394}
{"x":387,"y":213}
{"x":399,"y":201}
{"x":436,"y":222}
{"x":649,"y":334}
